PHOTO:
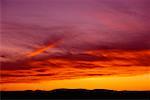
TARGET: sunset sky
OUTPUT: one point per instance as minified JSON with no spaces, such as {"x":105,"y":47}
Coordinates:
{"x":91,"y":44}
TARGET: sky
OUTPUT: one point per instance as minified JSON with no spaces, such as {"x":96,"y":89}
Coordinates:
{"x":50,"y":44}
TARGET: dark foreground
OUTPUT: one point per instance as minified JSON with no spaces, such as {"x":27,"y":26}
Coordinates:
{"x":75,"y":94}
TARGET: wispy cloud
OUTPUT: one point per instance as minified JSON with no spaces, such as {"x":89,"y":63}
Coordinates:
{"x":65,"y":39}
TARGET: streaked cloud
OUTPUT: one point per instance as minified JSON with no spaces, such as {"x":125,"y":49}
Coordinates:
{"x":67,"y":39}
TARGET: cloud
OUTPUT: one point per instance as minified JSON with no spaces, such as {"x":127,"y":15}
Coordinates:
{"x":85,"y":57}
{"x":73,"y":39}
{"x":67,"y":67}
{"x":15,"y":66}
{"x":9,"y":75}
{"x":44,"y":75}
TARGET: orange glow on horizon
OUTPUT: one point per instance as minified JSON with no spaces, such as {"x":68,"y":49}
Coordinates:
{"x":137,"y":82}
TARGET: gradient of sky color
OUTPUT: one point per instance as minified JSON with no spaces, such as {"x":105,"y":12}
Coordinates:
{"x":80,"y":40}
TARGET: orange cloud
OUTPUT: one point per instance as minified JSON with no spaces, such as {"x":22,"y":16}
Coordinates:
{"x":41,"y":50}
{"x":72,"y":66}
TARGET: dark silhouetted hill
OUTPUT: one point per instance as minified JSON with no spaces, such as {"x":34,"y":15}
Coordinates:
{"x":75,"y":94}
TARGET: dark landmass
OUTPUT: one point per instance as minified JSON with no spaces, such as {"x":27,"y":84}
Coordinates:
{"x":75,"y":94}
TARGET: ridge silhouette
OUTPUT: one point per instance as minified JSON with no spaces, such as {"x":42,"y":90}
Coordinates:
{"x":75,"y":94}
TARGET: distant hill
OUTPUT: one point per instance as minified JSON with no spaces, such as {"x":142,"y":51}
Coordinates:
{"x":75,"y":94}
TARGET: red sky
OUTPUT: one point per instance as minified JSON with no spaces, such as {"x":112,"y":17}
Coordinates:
{"x":75,"y":42}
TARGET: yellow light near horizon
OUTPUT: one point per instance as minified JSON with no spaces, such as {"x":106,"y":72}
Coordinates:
{"x":139,"y":82}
